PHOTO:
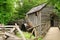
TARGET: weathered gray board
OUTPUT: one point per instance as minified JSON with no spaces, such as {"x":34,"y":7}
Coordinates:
{"x":4,"y":33}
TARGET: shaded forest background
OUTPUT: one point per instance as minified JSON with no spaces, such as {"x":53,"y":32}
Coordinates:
{"x":11,"y":10}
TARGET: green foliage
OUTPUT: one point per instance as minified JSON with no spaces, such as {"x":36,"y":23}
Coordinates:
{"x":56,"y":4}
{"x":11,"y":10}
{"x":27,"y":35}
{"x":27,"y":5}
{"x":6,"y":10}
{"x":39,"y":38}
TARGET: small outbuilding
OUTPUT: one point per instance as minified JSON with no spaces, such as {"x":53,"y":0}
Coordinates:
{"x":44,"y":16}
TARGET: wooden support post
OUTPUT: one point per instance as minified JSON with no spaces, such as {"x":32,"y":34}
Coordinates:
{"x":17,"y":27}
{"x":12,"y":30}
{"x":33,"y":27}
{"x":32,"y":33}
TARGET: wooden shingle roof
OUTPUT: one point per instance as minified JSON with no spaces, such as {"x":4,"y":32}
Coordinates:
{"x":35,"y":9}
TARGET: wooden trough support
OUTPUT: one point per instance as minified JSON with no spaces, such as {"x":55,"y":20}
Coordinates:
{"x":34,"y":30}
{"x":14,"y":27}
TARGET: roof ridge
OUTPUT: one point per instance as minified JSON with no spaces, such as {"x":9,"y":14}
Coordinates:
{"x":37,"y":8}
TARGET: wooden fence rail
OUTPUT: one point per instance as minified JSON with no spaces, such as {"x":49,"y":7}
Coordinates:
{"x":11,"y":28}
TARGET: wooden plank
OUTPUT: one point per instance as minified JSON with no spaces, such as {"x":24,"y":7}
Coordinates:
{"x":1,"y":38}
{"x":12,"y":30}
{"x":10,"y":38}
{"x":11,"y":35}
{"x":2,"y":33}
{"x":33,"y":27}
{"x":17,"y":27}
{"x":7,"y":26}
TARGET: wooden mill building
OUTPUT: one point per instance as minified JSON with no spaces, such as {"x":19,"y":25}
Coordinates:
{"x":44,"y":16}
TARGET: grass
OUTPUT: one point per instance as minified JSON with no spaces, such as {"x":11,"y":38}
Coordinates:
{"x":39,"y":38}
{"x":27,"y":35}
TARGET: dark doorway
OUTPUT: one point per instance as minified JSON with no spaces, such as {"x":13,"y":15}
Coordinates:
{"x":52,"y":20}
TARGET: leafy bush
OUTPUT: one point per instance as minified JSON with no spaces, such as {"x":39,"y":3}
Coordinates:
{"x":56,"y":5}
{"x":11,"y":10}
{"x":7,"y":10}
{"x":27,"y":35}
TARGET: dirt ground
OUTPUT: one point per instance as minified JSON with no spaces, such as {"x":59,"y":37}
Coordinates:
{"x":53,"y":34}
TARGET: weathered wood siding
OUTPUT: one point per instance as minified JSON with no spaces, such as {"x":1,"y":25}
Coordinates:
{"x":56,"y":22}
{"x":45,"y":20}
{"x":36,"y":20}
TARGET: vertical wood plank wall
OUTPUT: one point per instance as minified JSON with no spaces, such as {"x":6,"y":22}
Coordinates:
{"x":45,"y":20}
{"x":42,"y":19}
{"x":36,"y":20}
